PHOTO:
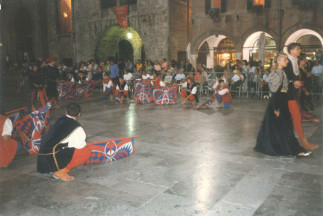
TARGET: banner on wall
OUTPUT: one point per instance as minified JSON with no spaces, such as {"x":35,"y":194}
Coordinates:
{"x":122,"y":15}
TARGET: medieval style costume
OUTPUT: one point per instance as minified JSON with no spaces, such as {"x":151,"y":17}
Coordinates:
{"x":190,"y":91}
{"x":63,"y":147}
{"x":276,"y":135}
{"x":8,"y":146}
{"x":292,"y":71}
{"x":223,"y":94}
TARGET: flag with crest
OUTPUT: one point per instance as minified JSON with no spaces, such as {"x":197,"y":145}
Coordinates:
{"x":165,"y":95}
{"x":143,"y":92}
{"x":32,"y":127}
{"x":110,"y":150}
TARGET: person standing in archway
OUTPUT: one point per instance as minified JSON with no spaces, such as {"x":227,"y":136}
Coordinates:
{"x":292,"y":71}
{"x":114,"y":71}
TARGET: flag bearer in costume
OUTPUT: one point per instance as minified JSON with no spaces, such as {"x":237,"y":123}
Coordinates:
{"x":64,"y":146}
{"x":189,"y":91}
{"x":8,"y":146}
{"x":292,"y":71}
{"x":107,"y":86}
{"x":223,"y":94}
{"x":156,"y":81}
{"x":52,"y":76}
{"x":122,"y":90}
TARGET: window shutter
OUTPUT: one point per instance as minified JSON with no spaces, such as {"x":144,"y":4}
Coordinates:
{"x":223,"y":6}
{"x":249,"y":4}
{"x":207,"y":6}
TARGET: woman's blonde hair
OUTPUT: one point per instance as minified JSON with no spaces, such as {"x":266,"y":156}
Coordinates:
{"x":277,"y":57}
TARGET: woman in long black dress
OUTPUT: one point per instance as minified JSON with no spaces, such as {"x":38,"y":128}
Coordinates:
{"x":276,"y":136}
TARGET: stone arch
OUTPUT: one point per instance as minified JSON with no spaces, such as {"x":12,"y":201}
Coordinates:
{"x":248,"y":32}
{"x":108,"y":43}
{"x":10,"y":9}
{"x":199,"y":40}
{"x":298,"y":34}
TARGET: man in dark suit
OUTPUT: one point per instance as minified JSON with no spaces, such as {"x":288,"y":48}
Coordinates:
{"x":293,"y":75}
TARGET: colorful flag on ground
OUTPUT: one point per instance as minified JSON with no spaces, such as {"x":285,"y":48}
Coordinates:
{"x":15,"y":116}
{"x":110,"y":150}
{"x":206,"y":103}
{"x":32,"y":127}
{"x":66,"y":90}
{"x":143,"y":92}
{"x":165,"y":95}
{"x":83,"y":89}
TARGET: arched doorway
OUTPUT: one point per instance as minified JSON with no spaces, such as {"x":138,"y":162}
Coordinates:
{"x":23,"y":35}
{"x":311,"y":41}
{"x":119,"y":43}
{"x":125,"y":50}
{"x":259,"y":46}
{"x":225,"y":52}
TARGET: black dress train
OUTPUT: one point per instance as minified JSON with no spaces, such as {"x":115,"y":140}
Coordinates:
{"x":276,"y":135}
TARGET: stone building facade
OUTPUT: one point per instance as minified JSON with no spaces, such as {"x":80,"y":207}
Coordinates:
{"x":79,"y":30}
{"x":243,"y":22}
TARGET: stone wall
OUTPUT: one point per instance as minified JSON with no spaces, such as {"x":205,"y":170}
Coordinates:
{"x":9,"y":12}
{"x":237,"y":23}
{"x":148,"y":17}
{"x":178,"y":27}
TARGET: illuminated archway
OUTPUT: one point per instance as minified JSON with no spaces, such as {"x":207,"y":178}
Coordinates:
{"x":253,"y":42}
{"x":108,"y":44}
{"x":298,"y":36}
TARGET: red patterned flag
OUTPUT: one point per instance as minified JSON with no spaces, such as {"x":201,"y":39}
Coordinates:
{"x":122,"y":15}
{"x":165,"y":95}
{"x":15,"y":116}
{"x":33,"y":126}
{"x":143,"y":92}
{"x":207,"y":103}
{"x":110,"y":150}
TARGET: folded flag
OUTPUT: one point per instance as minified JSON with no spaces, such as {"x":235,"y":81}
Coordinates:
{"x":110,"y":150}
{"x":32,"y":127}
{"x":207,"y":103}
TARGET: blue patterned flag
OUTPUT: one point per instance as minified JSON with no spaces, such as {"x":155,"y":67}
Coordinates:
{"x":207,"y":103}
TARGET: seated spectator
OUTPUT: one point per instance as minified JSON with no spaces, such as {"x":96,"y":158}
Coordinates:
{"x":236,"y":81}
{"x":168,"y":78}
{"x":107,"y":86}
{"x":127,"y":76}
{"x":265,"y":84}
{"x":180,"y":76}
{"x":138,"y":65}
{"x":145,"y":75}
{"x":164,"y":66}
{"x":198,"y":78}
{"x":157,"y":66}
{"x":129,"y":66}
{"x":122,"y":90}
{"x":189,"y":91}
{"x":148,"y":68}
{"x":223,"y":94}
{"x":156,"y":81}
{"x":254,"y":81}
{"x":70,"y":77}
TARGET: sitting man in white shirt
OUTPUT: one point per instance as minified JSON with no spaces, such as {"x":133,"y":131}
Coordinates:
{"x":108,"y":86}
{"x":180,"y":76}
{"x":236,"y":81}
{"x":122,"y":90}
{"x":64,"y":146}
{"x":146,"y":76}
{"x":265,"y":83}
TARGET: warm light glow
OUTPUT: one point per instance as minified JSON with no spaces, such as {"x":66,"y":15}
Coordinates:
{"x":65,"y":14}
{"x":259,"y":3}
{"x":226,"y":56}
{"x":129,"y":35}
